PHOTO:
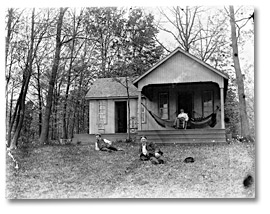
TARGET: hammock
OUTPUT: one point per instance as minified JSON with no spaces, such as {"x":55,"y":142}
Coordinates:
{"x":161,"y":122}
{"x":201,"y":122}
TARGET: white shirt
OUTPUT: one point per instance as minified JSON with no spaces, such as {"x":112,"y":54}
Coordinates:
{"x":144,"y":151}
{"x":107,"y":141}
{"x":96,"y":146}
{"x":184,"y":115}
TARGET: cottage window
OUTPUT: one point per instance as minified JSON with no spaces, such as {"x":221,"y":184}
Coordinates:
{"x":208,"y":103}
{"x":102,"y":110}
{"x":164,"y":106}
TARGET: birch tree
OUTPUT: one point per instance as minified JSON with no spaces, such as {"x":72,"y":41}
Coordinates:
{"x":245,"y":130}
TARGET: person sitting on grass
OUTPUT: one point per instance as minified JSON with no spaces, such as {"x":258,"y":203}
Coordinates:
{"x":148,"y":151}
{"x":104,"y":145}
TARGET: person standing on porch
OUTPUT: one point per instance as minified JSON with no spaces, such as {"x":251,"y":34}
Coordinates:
{"x":181,"y":120}
{"x":104,"y":145}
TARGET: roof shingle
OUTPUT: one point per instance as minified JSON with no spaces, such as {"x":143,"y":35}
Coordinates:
{"x":110,"y":88}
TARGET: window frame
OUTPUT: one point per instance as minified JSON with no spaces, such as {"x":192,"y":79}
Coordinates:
{"x":203,"y":106}
{"x":105,"y":114}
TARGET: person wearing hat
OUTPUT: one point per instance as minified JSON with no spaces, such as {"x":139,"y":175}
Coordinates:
{"x":104,"y":145}
{"x":148,"y":151}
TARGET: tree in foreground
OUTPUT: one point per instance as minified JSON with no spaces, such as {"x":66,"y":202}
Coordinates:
{"x":245,"y":130}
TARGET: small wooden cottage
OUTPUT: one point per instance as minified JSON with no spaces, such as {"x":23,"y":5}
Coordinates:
{"x":180,"y":80}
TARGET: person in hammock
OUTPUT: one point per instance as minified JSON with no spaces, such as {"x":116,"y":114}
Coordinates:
{"x":148,"y":151}
{"x":181,"y":120}
{"x":104,"y":145}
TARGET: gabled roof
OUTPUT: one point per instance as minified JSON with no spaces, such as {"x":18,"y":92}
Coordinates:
{"x":105,"y":88}
{"x":188,"y":55}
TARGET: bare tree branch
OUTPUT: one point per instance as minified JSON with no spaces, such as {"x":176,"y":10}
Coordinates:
{"x":156,"y":39}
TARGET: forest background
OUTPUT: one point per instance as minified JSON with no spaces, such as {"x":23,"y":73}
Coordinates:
{"x":53,"y":56}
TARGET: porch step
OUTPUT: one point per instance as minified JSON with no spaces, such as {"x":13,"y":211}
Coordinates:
{"x":185,"y":136}
{"x":183,"y":131}
{"x":91,"y":138}
{"x":163,"y":136}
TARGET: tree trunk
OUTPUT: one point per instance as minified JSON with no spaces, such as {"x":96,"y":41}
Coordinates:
{"x":45,"y":123}
{"x":13,"y":118}
{"x":54,"y":113}
{"x":72,"y":126}
{"x":39,"y":101}
{"x":85,"y":116}
{"x":187,"y":34}
{"x":17,"y":132}
{"x":19,"y":115}
{"x":9,"y":126}
{"x":9,"y":31}
{"x":78,"y":121}
{"x":65,"y":127}
{"x":245,"y":131}
{"x":103,"y":60}
{"x":74,"y":122}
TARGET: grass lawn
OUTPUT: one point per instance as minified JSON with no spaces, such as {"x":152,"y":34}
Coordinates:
{"x":78,"y":171}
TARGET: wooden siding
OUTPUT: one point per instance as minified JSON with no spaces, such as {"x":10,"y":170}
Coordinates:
{"x":93,"y":117}
{"x":109,"y":127}
{"x":180,"y":69}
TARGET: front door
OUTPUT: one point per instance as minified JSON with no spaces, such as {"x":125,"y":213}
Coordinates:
{"x":121,"y":117}
{"x":185,"y":101}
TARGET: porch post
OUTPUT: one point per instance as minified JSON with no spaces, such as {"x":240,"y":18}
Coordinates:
{"x":222,"y":107}
{"x":139,"y":110}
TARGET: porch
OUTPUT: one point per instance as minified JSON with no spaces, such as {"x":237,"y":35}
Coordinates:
{"x":185,"y":136}
{"x":201,"y":101}
{"x":162,"y":136}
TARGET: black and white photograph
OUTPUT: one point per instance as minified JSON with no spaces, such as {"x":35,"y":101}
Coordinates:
{"x":130,"y":102}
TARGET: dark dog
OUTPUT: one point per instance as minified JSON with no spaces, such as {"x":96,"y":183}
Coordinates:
{"x":248,"y":181}
{"x":189,"y":160}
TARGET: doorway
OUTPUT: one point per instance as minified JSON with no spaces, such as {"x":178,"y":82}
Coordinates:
{"x":121,"y":117}
{"x":185,"y":101}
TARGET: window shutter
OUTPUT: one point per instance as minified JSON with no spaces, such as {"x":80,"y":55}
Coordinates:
{"x":102,"y":111}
